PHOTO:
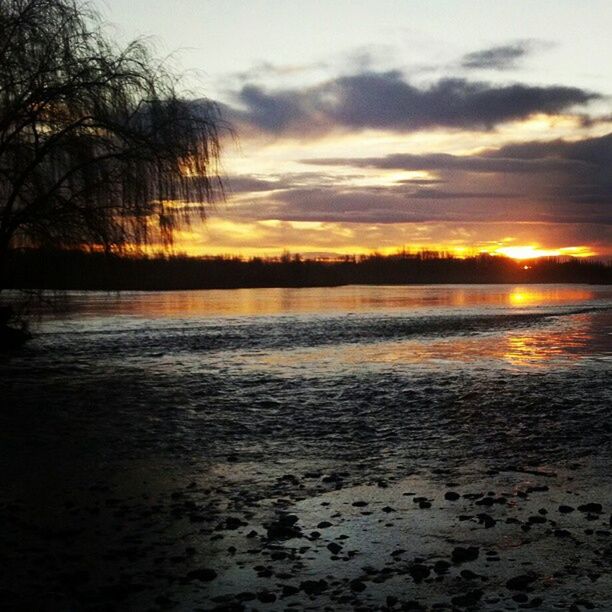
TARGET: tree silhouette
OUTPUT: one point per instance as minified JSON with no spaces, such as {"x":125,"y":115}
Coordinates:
{"x":97,"y":146}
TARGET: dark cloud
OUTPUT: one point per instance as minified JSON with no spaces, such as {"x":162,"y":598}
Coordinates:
{"x":552,"y":182}
{"x":590,"y":178}
{"x":438,"y":194}
{"x":579,"y":171}
{"x":249,"y":184}
{"x":435,"y":162}
{"x":497,"y":58}
{"x":368,"y":205}
{"x":384,"y":100}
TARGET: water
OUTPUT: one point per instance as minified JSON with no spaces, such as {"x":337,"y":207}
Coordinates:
{"x":467,"y":365}
{"x":233,"y":391}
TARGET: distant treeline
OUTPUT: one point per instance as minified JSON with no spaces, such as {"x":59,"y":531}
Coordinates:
{"x":35,"y":269}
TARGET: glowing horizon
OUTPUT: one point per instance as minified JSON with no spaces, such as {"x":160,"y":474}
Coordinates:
{"x":397,"y":129}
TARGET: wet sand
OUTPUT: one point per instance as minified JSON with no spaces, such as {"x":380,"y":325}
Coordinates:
{"x":244,"y":536}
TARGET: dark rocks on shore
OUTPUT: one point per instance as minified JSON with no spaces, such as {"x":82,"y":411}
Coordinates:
{"x":469,"y":599}
{"x":521,"y":583}
{"x":232,"y":523}
{"x":451,"y":496}
{"x":486,"y":520}
{"x":419,"y":572}
{"x":461,"y":554}
{"x":314,"y":587}
{"x":284,"y":528}
{"x":591,"y":508}
{"x":441,"y":567}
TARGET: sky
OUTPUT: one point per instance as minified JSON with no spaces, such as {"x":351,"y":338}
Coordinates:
{"x":465,"y":126}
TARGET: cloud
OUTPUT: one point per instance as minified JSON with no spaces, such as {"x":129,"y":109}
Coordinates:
{"x":552,"y":182}
{"x":578,"y":171}
{"x":589,"y":180}
{"x":497,"y":58}
{"x":389,"y":206}
{"x":386,"y":101}
{"x":436,"y":162}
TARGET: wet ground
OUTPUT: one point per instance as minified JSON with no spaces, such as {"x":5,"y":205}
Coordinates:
{"x":448,"y":451}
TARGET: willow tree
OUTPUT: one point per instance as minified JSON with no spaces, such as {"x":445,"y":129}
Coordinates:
{"x":97,"y":145}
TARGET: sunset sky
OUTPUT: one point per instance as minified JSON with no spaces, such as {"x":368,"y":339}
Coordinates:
{"x":466,"y":125}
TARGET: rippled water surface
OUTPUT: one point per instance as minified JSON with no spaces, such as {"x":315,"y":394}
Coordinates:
{"x":432,"y":371}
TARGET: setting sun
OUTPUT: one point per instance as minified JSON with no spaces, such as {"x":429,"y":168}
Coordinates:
{"x":533,"y":252}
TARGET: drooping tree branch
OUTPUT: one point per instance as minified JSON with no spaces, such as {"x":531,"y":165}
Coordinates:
{"x":97,"y":145}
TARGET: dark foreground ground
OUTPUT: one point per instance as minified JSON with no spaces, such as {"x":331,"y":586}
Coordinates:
{"x":234,"y":538}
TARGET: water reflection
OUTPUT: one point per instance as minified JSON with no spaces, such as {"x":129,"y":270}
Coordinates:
{"x":357,"y":298}
{"x":564,"y":340}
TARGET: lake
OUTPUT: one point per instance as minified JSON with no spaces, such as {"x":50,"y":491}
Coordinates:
{"x":143,"y":422}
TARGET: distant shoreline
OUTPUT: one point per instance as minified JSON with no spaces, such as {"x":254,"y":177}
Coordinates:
{"x":80,"y":271}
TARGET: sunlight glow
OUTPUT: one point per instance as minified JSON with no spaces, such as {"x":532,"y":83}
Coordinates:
{"x":533,"y":252}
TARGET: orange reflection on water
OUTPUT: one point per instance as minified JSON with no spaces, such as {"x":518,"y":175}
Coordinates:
{"x":348,"y":299}
{"x":565,"y":341}
{"x":537,"y":347}
{"x":531,"y":296}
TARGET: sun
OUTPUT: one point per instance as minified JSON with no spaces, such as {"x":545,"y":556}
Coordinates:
{"x":534,"y":251}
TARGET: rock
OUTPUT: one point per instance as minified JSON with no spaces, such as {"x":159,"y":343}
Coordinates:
{"x":461,"y":554}
{"x":467,"y":574}
{"x":388,"y":509}
{"x":591,"y":508}
{"x":231,"y":522}
{"x":520,"y":583}
{"x":424,"y":504}
{"x":565,"y":509}
{"x":266,"y":597}
{"x":203,"y":575}
{"x":324,"y":525}
{"x":289,"y":590}
{"x":334,"y":548}
{"x":468,"y":599}
{"x":284,"y":528}
{"x":419,"y":572}
{"x":357,"y":586}
{"x":278,"y":555}
{"x":520,"y":598}
{"x":360,"y":504}
{"x":313,"y":587}
{"x":280,"y":531}
{"x":451,"y":496}
{"x":486,"y":520}
{"x":441,"y":567}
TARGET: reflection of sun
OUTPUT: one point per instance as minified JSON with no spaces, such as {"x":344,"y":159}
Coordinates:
{"x":521,"y":296}
{"x":523,"y":350}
